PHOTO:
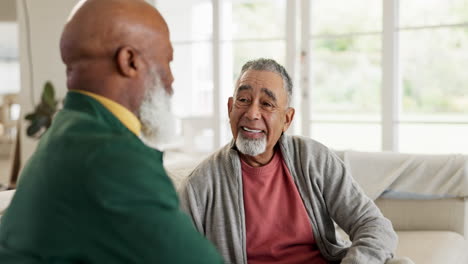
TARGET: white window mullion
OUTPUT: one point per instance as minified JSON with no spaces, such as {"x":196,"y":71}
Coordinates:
{"x":305,"y":68}
{"x":217,"y":74}
{"x":291,"y":58}
{"x":390,"y":76}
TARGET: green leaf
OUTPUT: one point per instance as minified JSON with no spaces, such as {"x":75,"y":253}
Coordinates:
{"x":41,"y":118}
{"x":37,"y":124}
{"x":33,"y":128}
{"x":44,"y":121}
{"x":48,"y":95}
{"x":45,"y":110}
{"x":30,"y":116}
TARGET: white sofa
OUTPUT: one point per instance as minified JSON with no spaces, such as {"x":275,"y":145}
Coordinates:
{"x":430,"y":231}
{"x":427,"y":201}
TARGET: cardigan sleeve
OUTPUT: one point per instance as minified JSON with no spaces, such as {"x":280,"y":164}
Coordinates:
{"x":190,"y":205}
{"x":372,"y":235}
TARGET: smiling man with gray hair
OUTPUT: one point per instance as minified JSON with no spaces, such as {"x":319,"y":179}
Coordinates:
{"x":267,"y":197}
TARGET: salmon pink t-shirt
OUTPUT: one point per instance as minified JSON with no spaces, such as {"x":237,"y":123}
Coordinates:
{"x":278,"y":228}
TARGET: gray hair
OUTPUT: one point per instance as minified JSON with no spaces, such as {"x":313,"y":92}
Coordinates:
{"x":270,"y":65}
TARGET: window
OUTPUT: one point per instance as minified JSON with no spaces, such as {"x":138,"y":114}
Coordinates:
{"x":434,"y":83}
{"x":249,"y":30}
{"x":349,"y":63}
{"x":9,"y":65}
{"x":190,"y":23}
{"x":9,"y":87}
{"x":205,"y":49}
{"x":345,"y":58}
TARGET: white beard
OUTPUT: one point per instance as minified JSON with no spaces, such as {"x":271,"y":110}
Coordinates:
{"x":157,"y":121}
{"x":251,"y":147}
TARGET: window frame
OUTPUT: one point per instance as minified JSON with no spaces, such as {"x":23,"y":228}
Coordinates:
{"x":299,"y":62}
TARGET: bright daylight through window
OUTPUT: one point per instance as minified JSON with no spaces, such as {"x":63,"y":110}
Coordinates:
{"x":340,"y":54}
{"x":9,"y":88}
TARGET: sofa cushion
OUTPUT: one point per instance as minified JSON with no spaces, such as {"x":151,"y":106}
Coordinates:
{"x":426,"y":215}
{"x":433,"y":247}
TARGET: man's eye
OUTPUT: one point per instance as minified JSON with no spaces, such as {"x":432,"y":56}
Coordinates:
{"x":266,"y":104}
{"x":242,"y":100}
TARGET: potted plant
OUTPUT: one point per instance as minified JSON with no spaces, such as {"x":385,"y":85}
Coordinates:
{"x":41,"y":119}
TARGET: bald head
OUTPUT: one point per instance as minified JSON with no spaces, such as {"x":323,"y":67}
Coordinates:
{"x":100,"y":27}
{"x":111,"y":46}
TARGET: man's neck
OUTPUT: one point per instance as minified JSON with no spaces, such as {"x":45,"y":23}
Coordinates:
{"x":259,"y":160}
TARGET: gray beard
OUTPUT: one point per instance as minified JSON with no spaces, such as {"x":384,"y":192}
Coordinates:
{"x":157,"y":121}
{"x":251,"y":147}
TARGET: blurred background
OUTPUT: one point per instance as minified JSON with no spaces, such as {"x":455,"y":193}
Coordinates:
{"x":369,"y":75}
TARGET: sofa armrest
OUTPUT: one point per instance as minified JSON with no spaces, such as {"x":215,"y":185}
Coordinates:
{"x":449,"y":214}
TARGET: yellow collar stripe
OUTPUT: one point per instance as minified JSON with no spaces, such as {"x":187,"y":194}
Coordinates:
{"x":120,"y":112}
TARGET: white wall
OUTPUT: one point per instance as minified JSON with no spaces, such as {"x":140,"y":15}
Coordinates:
{"x":40,"y":26}
{"x":8,"y":10}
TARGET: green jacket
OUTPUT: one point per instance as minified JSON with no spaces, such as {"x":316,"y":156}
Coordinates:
{"x":94,"y":193}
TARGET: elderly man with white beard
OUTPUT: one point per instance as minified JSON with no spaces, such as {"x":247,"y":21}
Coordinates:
{"x":93,"y":192}
{"x":268,"y":197}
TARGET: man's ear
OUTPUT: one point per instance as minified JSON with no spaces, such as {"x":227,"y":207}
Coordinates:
{"x":229,"y":105}
{"x":128,"y":61}
{"x":289,"y":118}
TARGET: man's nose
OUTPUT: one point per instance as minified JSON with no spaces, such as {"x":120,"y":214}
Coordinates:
{"x":253,"y":112}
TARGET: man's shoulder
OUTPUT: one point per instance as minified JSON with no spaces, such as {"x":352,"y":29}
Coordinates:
{"x":302,"y":151}
{"x":69,"y":120}
{"x":211,"y":167}
{"x":80,"y":129}
{"x":303,"y":144}
{"x":73,"y":143}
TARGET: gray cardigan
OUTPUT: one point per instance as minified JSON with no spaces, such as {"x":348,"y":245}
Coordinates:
{"x":212,"y":195}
